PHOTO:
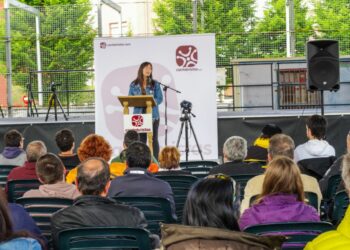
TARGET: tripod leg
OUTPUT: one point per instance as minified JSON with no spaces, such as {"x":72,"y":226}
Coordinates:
{"x":180,"y":133}
{"x":32,"y":103}
{"x":60,"y":104}
{"x":2,"y":114}
{"x":195,"y":138}
{"x":55,"y":105}
{"x":48,"y":110}
{"x":187,"y":150}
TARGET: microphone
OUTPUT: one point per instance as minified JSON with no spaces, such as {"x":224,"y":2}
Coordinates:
{"x":149,"y":80}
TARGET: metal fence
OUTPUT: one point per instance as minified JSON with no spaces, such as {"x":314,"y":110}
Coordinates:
{"x":65,"y":44}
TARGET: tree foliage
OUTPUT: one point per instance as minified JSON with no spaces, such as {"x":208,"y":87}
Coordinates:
{"x":231,"y":20}
{"x":332,"y":22}
{"x":269,"y":34}
{"x":66,"y":39}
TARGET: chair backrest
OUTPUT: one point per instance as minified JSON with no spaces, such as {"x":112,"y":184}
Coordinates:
{"x":155,"y":209}
{"x":4,"y":172}
{"x":41,"y":210}
{"x":341,"y":203}
{"x":104,"y":237}
{"x":299,"y":233}
{"x":333,"y":183}
{"x":199,"y":172}
{"x":310,"y":198}
{"x":241,"y":181}
{"x":316,"y":167}
{"x":192,"y":164}
{"x":16,"y":188}
{"x":180,"y":184}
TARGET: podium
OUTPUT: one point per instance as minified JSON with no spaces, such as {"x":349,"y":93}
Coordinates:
{"x":145,"y":101}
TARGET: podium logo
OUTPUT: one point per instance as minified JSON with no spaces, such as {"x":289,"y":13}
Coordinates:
{"x":137,"y":120}
{"x":103,"y":45}
{"x":186,"y":56}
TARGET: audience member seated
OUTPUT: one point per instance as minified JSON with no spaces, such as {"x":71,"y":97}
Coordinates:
{"x":210,"y":222}
{"x":66,"y":143}
{"x":93,"y":208}
{"x":258,"y":152}
{"x":316,"y":147}
{"x":137,"y":181}
{"x":335,"y":169}
{"x":234,"y":152}
{"x":13,"y":153}
{"x":118,"y":164}
{"x":282,"y":197}
{"x":169,"y":159}
{"x":14,"y":220}
{"x":92,"y":146}
{"x":280,"y":145}
{"x":34,"y":150}
{"x":338,"y":239}
{"x":50,"y":172}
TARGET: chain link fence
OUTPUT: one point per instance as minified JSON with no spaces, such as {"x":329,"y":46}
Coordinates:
{"x":65,"y":41}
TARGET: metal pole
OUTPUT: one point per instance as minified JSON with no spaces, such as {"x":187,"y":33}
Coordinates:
{"x":38,"y":59}
{"x":99,"y":18}
{"x":8,"y":59}
{"x":194,"y":13}
{"x":290,"y":28}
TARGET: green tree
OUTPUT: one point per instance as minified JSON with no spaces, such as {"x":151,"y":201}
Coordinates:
{"x":231,"y":20}
{"x":332,"y":22}
{"x":66,"y":42}
{"x":269,"y":35}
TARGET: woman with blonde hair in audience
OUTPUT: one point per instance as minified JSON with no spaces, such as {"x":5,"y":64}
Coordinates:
{"x":169,"y":160}
{"x":92,"y":146}
{"x":210,"y":220}
{"x":282,"y":197}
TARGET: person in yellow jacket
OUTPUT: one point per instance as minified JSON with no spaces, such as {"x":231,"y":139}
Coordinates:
{"x":338,"y":239}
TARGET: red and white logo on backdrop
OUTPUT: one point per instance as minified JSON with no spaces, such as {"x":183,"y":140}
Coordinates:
{"x":186,"y":56}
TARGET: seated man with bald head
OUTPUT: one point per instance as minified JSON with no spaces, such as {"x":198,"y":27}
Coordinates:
{"x":93,"y":208}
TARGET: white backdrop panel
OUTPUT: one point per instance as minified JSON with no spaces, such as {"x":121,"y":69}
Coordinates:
{"x":185,"y":62}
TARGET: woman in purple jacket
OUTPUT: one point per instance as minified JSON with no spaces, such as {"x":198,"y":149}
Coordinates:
{"x":282,"y":197}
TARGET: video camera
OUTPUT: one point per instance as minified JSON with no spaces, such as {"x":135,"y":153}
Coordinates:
{"x":186,"y":106}
{"x":53,"y":86}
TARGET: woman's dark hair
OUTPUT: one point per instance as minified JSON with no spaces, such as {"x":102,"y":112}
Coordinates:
{"x":139,"y":78}
{"x":6,"y":230}
{"x":210,"y":204}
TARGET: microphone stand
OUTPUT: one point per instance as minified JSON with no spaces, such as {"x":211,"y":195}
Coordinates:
{"x":165,"y":88}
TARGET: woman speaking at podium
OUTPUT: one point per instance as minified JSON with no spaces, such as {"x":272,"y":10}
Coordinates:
{"x":145,"y":85}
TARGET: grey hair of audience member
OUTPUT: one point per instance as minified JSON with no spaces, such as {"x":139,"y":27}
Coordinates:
{"x":35,"y":150}
{"x":281,"y":145}
{"x":235,"y":148}
{"x":346,"y":171}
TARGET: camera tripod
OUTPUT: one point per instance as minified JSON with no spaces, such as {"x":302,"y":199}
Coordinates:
{"x":31,"y":102}
{"x":53,"y":102}
{"x":186,"y":120}
{"x":2,"y":114}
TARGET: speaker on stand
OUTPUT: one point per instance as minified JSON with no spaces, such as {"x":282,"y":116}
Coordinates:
{"x":322,"y":66}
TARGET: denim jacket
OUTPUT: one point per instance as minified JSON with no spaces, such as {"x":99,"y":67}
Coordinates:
{"x":21,"y":243}
{"x":135,"y":89}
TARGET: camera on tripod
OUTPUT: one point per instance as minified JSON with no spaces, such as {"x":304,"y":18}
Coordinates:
{"x":186,"y":106}
{"x":53,"y":86}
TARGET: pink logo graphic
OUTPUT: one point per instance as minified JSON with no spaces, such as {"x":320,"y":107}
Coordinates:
{"x":186,"y":56}
{"x":137,"y":120}
{"x":103,"y":45}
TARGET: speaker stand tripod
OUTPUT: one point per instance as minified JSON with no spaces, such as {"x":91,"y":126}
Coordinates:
{"x":53,"y":102}
{"x":2,"y":113}
{"x":186,"y":120}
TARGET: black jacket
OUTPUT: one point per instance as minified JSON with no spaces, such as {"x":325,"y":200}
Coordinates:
{"x":139,"y":182}
{"x":238,"y":168}
{"x":94,"y":211}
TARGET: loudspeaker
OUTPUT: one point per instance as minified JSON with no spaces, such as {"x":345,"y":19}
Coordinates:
{"x":323,"y":65}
